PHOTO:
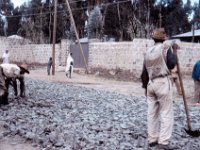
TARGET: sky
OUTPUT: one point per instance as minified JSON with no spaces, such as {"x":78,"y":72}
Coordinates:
{"x":192,"y":1}
{"x":18,"y":2}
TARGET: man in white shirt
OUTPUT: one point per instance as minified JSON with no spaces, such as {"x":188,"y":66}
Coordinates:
{"x":5,"y":57}
{"x":69,"y":66}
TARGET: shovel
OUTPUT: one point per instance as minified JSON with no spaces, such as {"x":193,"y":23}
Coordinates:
{"x":195,"y":133}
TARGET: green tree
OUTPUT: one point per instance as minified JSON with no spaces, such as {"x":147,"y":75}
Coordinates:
{"x":196,"y":18}
{"x":95,"y":23}
{"x":14,"y":21}
{"x":173,"y":23}
{"x":79,"y":10}
{"x":37,"y":21}
{"x":111,"y":23}
{"x":6,"y":9}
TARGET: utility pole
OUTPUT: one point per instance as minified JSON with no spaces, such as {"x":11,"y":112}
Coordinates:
{"x":148,"y":20}
{"x":160,"y":17}
{"x":76,"y":33}
{"x":193,"y":31}
{"x":54,"y":36}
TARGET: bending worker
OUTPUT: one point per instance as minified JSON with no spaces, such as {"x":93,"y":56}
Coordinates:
{"x":9,"y":74}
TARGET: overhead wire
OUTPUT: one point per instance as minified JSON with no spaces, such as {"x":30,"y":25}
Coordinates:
{"x":25,"y":2}
{"x":81,"y":1}
{"x":63,"y":11}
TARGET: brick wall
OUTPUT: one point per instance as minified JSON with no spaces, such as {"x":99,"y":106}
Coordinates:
{"x":129,"y":55}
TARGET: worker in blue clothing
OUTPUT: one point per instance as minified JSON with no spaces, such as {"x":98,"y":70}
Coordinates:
{"x":196,"y":78}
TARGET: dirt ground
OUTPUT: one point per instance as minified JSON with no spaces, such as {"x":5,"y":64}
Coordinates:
{"x":132,"y":88}
{"x":91,"y":81}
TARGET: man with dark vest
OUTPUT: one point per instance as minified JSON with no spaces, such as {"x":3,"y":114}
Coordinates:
{"x":158,"y":61}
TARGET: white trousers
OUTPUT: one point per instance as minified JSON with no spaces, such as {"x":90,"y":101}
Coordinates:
{"x":160,"y":110}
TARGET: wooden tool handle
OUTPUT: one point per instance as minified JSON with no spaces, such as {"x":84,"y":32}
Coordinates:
{"x":183,"y":92}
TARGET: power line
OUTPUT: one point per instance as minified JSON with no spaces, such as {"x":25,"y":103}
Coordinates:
{"x":85,"y":7}
{"x":63,"y":11}
{"x":41,"y":3}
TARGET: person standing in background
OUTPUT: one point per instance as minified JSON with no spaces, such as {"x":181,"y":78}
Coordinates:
{"x":49,"y":65}
{"x":69,"y":66}
{"x":5,"y":57}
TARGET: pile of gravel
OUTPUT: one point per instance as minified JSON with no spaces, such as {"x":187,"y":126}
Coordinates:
{"x":57,"y":116}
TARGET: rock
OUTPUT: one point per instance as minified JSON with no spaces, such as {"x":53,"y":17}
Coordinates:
{"x":140,"y":142}
{"x":1,"y":136}
{"x":30,"y":136}
{"x":57,"y":116}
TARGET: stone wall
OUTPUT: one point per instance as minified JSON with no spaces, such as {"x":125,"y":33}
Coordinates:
{"x":129,"y":55}
{"x":34,"y":53}
{"x":107,"y":55}
{"x":188,"y":55}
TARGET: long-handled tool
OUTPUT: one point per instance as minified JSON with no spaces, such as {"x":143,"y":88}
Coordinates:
{"x":195,"y":133}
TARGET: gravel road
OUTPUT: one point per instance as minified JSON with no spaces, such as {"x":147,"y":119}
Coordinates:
{"x":56,"y":116}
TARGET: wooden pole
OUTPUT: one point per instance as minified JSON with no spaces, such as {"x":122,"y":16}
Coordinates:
{"x":54,"y":36}
{"x":76,"y":33}
{"x":160,"y":17}
{"x":193,"y":33}
{"x":184,"y":97}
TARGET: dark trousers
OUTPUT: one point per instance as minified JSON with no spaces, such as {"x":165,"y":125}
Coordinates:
{"x":13,"y":82}
{"x":70,"y":71}
{"x":3,"y":89}
{"x":22,"y":86}
{"x":48,"y":69}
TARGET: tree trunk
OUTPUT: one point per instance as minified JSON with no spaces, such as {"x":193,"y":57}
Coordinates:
{"x":103,"y":19}
{"x":121,"y":32}
{"x":148,"y":17}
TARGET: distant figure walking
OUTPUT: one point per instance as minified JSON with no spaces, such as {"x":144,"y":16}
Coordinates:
{"x":49,"y":65}
{"x":69,"y":66}
{"x":5,"y":57}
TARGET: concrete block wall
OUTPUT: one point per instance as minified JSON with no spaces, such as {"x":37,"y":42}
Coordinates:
{"x":64,"y":50}
{"x":33,"y":53}
{"x":123,"y":55}
{"x":130,"y":55}
{"x":107,"y":55}
{"x":188,"y":55}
